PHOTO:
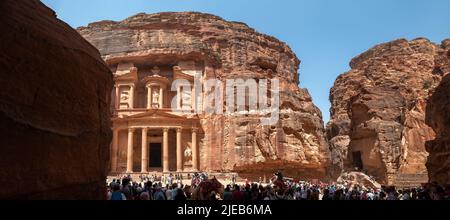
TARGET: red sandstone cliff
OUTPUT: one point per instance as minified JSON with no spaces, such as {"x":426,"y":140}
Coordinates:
{"x":54,"y":99}
{"x":378,"y":109}
{"x":228,"y":50}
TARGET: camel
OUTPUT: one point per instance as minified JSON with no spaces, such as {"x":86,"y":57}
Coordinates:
{"x":204,"y":189}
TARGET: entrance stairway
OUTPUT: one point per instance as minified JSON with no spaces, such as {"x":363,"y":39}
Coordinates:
{"x":410,"y":180}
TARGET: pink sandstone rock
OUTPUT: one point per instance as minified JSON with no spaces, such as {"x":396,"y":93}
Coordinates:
{"x":378,"y":110}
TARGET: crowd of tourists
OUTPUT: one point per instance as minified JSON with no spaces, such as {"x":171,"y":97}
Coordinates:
{"x":175,"y":187}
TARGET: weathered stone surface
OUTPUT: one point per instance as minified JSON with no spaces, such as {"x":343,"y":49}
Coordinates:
{"x":438,"y":117}
{"x":352,"y":179}
{"x":227,"y":50}
{"x":54,"y":101}
{"x":378,"y":108}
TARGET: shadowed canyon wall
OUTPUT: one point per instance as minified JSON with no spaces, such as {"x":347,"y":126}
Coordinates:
{"x":54,"y":107}
{"x":438,"y":117}
{"x":378,"y":110}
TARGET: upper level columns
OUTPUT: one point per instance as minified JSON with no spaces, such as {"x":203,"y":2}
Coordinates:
{"x":149,"y":97}
{"x":131,"y":98}
{"x":161,"y":97}
{"x":117,"y":97}
{"x":124,"y":95}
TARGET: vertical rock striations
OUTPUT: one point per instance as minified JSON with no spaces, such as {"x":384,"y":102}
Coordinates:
{"x":438,"y":117}
{"x":54,"y":113}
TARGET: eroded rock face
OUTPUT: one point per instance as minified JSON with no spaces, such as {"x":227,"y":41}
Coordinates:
{"x":54,"y":99}
{"x":227,"y":50}
{"x":352,"y":179}
{"x":438,"y":117}
{"x":378,"y":109}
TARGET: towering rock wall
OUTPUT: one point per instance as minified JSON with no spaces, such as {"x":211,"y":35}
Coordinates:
{"x":438,"y":117}
{"x":378,"y":109}
{"x":54,"y":101}
{"x":227,"y":50}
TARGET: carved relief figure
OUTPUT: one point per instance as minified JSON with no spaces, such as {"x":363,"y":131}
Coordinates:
{"x":156,"y":70}
{"x":188,"y":155}
{"x":155,"y":100}
{"x":125,"y":96}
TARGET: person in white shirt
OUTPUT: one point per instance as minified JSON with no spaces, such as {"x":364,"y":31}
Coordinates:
{"x":169,"y":193}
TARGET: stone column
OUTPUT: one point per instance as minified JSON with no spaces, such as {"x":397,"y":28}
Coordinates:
{"x":131,"y":101}
{"x":161,"y":97}
{"x":179,"y":98}
{"x":130,"y":151}
{"x":165,"y":150}
{"x":117,"y":98}
{"x":179,"y":152}
{"x":194,"y":100}
{"x":144,"y":162}
{"x":114,"y":150}
{"x":149,"y":97}
{"x":195,"y":161}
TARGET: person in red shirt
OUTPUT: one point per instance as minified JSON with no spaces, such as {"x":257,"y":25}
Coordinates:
{"x":237,"y":195}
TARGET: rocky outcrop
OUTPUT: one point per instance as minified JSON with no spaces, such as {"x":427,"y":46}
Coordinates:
{"x":378,"y":109}
{"x":54,"y":101}
{"x":353,"y":179}
{"x":227,"y":50}
{"x":438,"y":117}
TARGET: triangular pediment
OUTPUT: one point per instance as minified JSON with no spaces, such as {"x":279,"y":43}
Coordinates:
{"x":153,"y":114}
{"x":132,"y":76}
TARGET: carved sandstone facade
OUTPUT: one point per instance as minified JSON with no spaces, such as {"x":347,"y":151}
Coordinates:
{"x":147,"y":53}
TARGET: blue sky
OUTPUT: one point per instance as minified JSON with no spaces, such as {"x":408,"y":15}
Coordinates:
{"x":325,"y":34}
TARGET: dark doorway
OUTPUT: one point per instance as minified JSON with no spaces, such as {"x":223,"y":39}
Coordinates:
{"x":155,"y":155}
{"x":357,"y":160}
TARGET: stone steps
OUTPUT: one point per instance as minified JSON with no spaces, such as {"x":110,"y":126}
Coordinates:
{"x":410,"y":180}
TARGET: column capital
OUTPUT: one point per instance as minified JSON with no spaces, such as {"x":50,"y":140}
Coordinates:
{"x":145,"y":129}
{"x":194,"y":130}
{"x":166,"y":129}
{"x":131,"y":130}
{"x":179,"y":130}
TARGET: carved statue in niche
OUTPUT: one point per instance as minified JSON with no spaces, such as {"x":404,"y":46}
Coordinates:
{"x":186,"y":99}
{"x":188,"y":156}
{"x":155,"y":100}
{"x":156,"y":71}
{"x":124,"y":96}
